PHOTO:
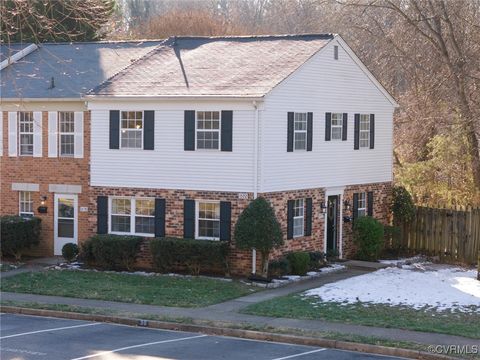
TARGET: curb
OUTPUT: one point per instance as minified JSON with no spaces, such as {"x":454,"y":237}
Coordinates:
{"x":239,"y":333}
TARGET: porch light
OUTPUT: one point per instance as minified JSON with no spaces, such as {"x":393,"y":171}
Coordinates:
{"x":346,"y":204}
{"x":323,"y":208}
{"x":42,"y":209}
{"x":42,"y":200}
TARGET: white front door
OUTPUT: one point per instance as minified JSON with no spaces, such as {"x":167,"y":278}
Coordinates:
{"x":65,"y":221}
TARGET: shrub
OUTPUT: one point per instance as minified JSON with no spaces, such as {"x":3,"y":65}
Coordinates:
{"x":299,"y":262}
{"x":368,"y":235}
{"x":258,"y":228}
{"x":278,"y":267}
{"x":170,"y":254}
{"x":70,"y":251}
{"x":18,"y":234}
{"x":111,"y":252}
{"x":317,"y":259}
{"x":403,"y":208}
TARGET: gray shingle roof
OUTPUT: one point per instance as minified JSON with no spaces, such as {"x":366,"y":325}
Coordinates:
{"x":216,"y":66}
{"x":75,"y":67}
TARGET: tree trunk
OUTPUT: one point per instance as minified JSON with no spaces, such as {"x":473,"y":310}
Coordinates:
{"x":474,"y":153}
{"x":265,"y":257}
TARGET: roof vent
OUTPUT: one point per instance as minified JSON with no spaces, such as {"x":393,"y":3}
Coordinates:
{"x":52,"y":83}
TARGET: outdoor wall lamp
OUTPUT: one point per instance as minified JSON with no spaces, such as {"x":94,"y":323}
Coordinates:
{"x":346,"y":204}
{"x":42,"y":209}
{"x":323,"y":208}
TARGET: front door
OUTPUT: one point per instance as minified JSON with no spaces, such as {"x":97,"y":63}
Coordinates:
{"x":332,"y":220}
{"x":65,"y":221}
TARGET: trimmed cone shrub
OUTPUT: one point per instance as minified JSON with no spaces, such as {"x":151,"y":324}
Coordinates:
{"x":258,"y":228}
{"x":18,"y":234}
{"x":196,"y":256}
{"x":278,"y":267}
{"x":299,"y":262}
{"x":70,"y":251}
{"x":368,"y":235}
{"x":111,"y":252}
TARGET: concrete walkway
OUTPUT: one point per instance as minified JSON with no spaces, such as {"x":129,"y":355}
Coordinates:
{"x":228,"y":312}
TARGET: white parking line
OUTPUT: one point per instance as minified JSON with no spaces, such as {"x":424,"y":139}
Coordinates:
{"x":47,"y":330}
{"x":301,"y":354}
{"x":137,"y":346}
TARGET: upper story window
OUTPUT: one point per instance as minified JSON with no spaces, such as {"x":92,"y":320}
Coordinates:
{"x":132,"y":216}
{"x":66,"y":134}
{"x":364,"y":132}
{"x":208,"y":220}
{"x":131,"y":130}
{"x":25,"y":204}
{"x":298,"y":218}
{"x":25,"y":132}
{"x":208,"y":130}
{"x":362,"y":204}
{"x":300,"y":131}
{"x":337,"y":126}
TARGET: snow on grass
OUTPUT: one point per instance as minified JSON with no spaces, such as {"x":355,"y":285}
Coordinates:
{"x":450,"y":288}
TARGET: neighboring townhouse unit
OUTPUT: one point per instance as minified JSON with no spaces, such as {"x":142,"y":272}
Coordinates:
{"x":182,"y":139}
{"x":185,"y":137}
{"x":44,"y":135}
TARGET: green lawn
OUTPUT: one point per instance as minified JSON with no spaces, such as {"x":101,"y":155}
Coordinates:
{"x":153,"y":290}
{"x":298,"y":307}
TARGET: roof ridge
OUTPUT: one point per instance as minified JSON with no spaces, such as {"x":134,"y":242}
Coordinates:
{"x":259,"y":36}
{"x":86,"y":42}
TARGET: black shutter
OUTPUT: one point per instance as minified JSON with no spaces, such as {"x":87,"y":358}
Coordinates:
{"x":225,"y":220}
{"x":290,"y":205}
{"x":356,"y":138}
{"x":370,"y":203}
{"x":290,"y":132}
{"x":227,"y":125}
{"x":372,"y":131}
{"x":309,"y":131}
{"x":114,"y":129}
{"x":355,"y":206}
{"x":189,"y":219}
{"x":308,"y":217}
{"x":148,"y":129}
{"x":328,"y":126}
{"x":102,"y":215}
{"x":160,"y":217}
{"x":345,"y":127}
{"x":189,"y":130}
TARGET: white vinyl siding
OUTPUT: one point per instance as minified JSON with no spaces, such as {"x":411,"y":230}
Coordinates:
{"x":25,"y":205}
{"x":66,"y":134}
{"x":362,"y":204}
{"x":298,"y":218}
{"x":131,"y":130}
{"x":300,"y":131}
{"x":25,"y":133}
{"x":135,"y":216}
{"x":337,"y":126}
{"x":208,"y":130}
{"x":364,"y":131}
{"x":207,"y":220}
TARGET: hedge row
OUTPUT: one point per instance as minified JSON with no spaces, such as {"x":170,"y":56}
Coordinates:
{"x":18,"y":234}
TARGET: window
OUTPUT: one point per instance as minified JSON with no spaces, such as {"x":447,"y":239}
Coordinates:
{"x":208,"y":220}
{"x":132,"y":216}
{"x":337,"y":126}
{"x":300,"y":131}
{"x":131,"y":130}
{"x":208,"y":130}
{"x":25,"y":204}
{"x":66,"y":135}
{"x":362,"y":204}
{"x":25,"y":132}
{"x":364,"y":131}
{"x":298,"y":220}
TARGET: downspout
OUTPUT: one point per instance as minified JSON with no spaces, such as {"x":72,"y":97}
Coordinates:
{"x":255,"y":176}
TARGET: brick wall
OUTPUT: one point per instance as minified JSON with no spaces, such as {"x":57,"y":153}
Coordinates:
{"x":44,"y":171}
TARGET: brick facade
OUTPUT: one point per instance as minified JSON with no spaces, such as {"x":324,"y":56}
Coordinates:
{"x":44,"y":171}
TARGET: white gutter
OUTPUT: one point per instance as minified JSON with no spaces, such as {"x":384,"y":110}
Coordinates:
{"x":93,"y":98}
{"x":18,"y":55}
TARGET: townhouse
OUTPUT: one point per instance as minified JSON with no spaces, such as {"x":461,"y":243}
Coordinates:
{"x":182,"y":139}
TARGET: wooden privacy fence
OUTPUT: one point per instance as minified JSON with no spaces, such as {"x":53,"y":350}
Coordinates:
{"x":452,"y":234}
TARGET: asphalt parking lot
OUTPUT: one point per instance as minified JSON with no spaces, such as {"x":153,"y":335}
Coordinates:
{"x":35,"y":338}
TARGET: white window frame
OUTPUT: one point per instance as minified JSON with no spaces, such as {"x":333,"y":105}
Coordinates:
{"x":23,"y":201}
{"x":132,"y":215}
{"x":20,"y":133}
{"x":299,"y":208}
{"x":60,"y":133}
{"x":219,"y":130}
{"x":303,"y":119}
{"x":197,"y":219}
{"x":131,"y":130}
{"x":337,"y":117}
{"x":362,"y":199}
{"x":364,"y":118}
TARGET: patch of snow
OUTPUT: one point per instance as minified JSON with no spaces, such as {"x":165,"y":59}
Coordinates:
{"x":332,"y":268}
{"x":410,"y":260}
{"x":451,"y":288}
